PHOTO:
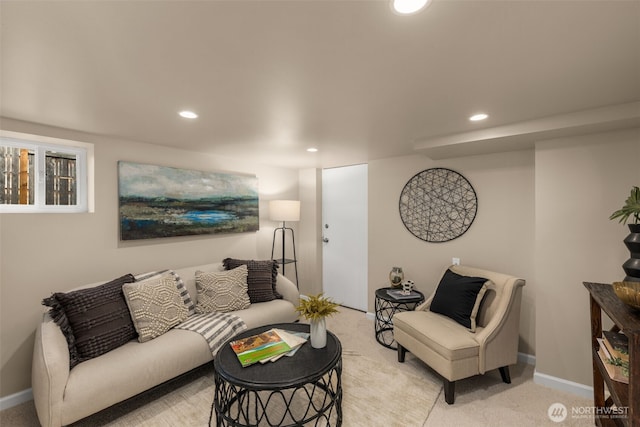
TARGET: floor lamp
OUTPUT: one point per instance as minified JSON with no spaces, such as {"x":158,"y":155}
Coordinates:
{"x":285,"y":210}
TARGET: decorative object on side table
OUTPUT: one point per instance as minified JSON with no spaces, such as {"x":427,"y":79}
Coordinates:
{"x":396,"y":276}
{"x":628,"y":292}
{"x":316,"y":309}
{"x":407,"y":287}
{"x":631,"y":208}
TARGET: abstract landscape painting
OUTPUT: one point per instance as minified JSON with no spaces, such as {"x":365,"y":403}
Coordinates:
{"x":159,"y":201}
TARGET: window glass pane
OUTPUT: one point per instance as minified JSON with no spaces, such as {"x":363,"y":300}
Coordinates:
{"x":41,"y":174}
{"x":60,"y":178}
{"x":17,"y":179}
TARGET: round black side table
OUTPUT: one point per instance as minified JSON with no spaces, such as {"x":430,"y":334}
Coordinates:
{"x":386,"y":306}
{"x":293,"y":391}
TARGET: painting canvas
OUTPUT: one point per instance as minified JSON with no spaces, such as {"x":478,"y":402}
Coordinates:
{"x":159,"y":201}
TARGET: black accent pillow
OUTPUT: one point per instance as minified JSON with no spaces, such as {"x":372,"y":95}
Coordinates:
{"x":261,"y":279}
{"x":457,"y":296}
{"x":93,"y":320}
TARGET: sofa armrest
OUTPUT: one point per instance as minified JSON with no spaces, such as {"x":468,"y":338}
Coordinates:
{"x":499,"y":339}
{"x":425,"y":305}
{"x":288,"y":290}
{"x":49,"y":372}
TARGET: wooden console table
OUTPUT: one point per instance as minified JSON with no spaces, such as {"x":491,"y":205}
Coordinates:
{"x":626,"y":319}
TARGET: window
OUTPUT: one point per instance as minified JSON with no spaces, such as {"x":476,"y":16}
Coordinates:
{"x":43,"y":175}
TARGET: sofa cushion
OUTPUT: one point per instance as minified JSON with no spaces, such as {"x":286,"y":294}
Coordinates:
{"x":222,"y":291}
{"x":155,"y":305}
{"x":459,"y":297}
{"x":129,"y":370}
{"x":93,"y":320}
{"x":182,"y":289}
{"x":440,"y":333}
{"x":261,"y":279}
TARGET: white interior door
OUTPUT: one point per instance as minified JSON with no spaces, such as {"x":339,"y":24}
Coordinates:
{"x":344,"y":228}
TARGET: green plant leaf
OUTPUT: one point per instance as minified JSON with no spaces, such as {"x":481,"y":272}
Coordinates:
{"x":317,"y":307}
{"x":631,"y":208}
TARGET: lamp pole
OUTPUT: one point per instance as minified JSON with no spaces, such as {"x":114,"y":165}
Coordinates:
{"x":283,"y":233}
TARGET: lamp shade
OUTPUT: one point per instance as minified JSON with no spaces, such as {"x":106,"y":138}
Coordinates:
{"x":284,"y":210}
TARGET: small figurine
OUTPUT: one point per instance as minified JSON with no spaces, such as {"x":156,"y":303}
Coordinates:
{"x":407,"y":287}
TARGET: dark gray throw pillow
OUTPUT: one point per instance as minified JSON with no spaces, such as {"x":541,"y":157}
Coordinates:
{"x":93,"y":320}
{"x":261,"y":279}
{"x":457,"y":296}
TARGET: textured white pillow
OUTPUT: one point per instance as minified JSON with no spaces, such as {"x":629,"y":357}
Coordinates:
{"x":155,"y":305}
{"x":222,"y":291}
{"x":182,"y":289}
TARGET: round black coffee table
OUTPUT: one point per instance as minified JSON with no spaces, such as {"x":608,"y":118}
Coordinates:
{"x":386,"y":306}
{"x":293,"y":391}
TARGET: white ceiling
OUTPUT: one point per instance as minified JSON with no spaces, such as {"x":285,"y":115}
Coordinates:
{"x":272,"y":78}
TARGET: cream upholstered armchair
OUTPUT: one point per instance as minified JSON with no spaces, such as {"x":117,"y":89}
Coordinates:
{"x":483,"y":336}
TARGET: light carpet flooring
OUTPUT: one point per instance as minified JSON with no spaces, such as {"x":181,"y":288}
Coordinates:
{"x":480,"y":401}
{"x":187,"y":402}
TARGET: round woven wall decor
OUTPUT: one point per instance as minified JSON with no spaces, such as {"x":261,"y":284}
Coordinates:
{"x":438,"y":205}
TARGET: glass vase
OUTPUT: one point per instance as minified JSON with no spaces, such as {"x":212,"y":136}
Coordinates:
{"x":396,"y":276}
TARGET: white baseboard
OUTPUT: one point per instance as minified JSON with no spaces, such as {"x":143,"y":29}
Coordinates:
{"x":369,"y":315}
{"x":529,"y":359}
{"x":15,"y":399}
{"x":563,"y":385}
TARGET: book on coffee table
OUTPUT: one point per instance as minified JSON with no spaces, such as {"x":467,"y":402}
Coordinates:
{"x":255,"y":348}
{"x":295,"y":339}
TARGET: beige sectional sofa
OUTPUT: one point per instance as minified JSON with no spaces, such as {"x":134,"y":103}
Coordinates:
{"x":63,"y":395}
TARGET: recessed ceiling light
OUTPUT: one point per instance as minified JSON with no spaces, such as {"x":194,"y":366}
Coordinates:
{"x":188,"y":114}
{"x":478,"y":117}
{"x":312,"y":150}
{"x":407,"y":7}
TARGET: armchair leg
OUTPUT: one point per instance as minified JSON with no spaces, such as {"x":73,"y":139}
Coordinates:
{"x":401,"y":352}
{"x":504,"y":373}
{"x":449,"y":391}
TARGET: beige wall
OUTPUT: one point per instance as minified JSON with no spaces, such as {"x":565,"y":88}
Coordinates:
{"x":45,"y":253}
{"x":501,"y":237}
{"x":542,"y":215}
{"x":579,"y":182}
{"x":310,"y":237}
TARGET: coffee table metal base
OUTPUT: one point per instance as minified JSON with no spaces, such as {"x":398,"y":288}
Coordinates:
{"x":313,"y":404}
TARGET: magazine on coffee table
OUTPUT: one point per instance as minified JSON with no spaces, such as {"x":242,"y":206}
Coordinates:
{"x":258,"y":347}
{"x":295,"y":339}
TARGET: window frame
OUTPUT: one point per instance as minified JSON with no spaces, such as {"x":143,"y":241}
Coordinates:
{"x":40,"y":146}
